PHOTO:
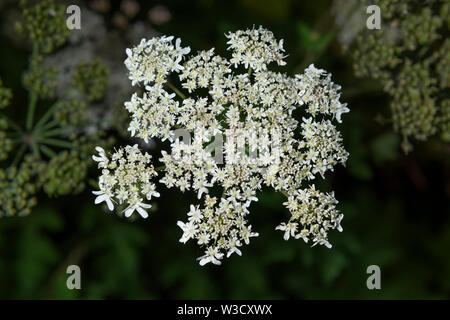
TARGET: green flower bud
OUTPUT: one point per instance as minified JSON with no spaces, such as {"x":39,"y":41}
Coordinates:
{"x":410,"y":56}
{"x":45,"y":24}
{"x":91,"y":78}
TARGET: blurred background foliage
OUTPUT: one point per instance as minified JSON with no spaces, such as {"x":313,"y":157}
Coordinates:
{"x":396,"y":206}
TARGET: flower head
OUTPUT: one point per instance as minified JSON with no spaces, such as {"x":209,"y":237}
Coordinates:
{"x":241,"y":135}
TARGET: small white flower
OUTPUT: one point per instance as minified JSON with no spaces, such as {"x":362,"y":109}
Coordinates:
{"x":211,"y":255}
{"x":181,"y":51}
{"x":233,"y":245}
{"x":340,"y":111}
{"x":321,"y":238}
{"x":104,"y":196}
{"x":195,"y":214}
{"x":201,"y":186}
{"x":139,"y":207}
{"x":101,"y":159}
{"x":189,"y":230}
{"x":289,"y":229}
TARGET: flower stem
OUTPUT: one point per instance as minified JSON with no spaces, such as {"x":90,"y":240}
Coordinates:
{"x":35,"y":148}
{"x":47,"y":151}
{"x":56,"y":142}
{"x":285,"y":193}
{"x":47,"y":115}
{"x":33,"y":94}
{"x":31,"y":108}
{"x":47,"y":126}
{"x":175,"y":89}
{"x":52,"y":133}
{"x":19,"y":154}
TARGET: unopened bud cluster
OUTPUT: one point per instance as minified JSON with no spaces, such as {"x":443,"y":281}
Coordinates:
{"x":42,"y":143}
{"x":410,"y":55}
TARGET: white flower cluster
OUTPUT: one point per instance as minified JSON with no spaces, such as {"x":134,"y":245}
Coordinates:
{"x":153,"y":114}
{"x":320,"y":93}
{"x":250,"y":117}
{"x":255,"y":48}
{"x":153,"y":60}
{"x":126,"y":178}
{"x":315,"y":212}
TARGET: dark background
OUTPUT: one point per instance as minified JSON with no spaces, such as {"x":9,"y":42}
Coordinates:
{"x":396,"y":206}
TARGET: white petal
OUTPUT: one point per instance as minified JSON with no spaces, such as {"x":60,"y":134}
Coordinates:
{"x":204,"y":261}
{"x":142,"y":212}
{"x":110,"y":204}
{"x":97,"y":159}
{"x":181,"y":225}
{"x":100,"y":150}
{"x":100,"y":199}
{"x":129,"y":212}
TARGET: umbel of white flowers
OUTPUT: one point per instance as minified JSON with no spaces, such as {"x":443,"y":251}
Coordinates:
{"x":256,"y":100}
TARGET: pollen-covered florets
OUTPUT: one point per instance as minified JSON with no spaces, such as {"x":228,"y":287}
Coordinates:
{"x":235,"y":132}
{"x":152,"y":60}
{"x":255,"y":48}
{"x":126,"y":179}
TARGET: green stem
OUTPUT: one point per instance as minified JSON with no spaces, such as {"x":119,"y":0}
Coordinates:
{"x":35,"y":148}
{"x":56,"y":142}
{"x":19,"y":154}
{"x":32,"y":95}
{"x":31,"y":108}
{"x":47,"y":151}
{"x":285,"y":193}
{"x":47,"y":126}
{"x":52,"y":133}
{"x":160,"y":168}
{"x":175,"y":89}
{"x":47,"y":115}
{"x":52,"y":108}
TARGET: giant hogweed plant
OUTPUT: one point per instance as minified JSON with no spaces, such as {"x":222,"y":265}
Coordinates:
{"x":248,"y":111}
{"x":46,"y":148}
